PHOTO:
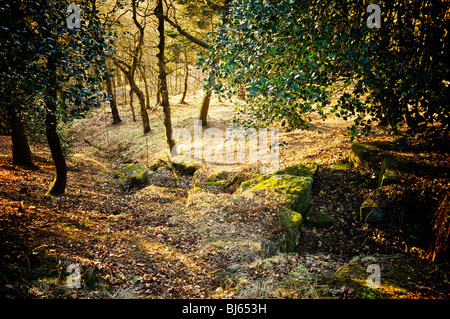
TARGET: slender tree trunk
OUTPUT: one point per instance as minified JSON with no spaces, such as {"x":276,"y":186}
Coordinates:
{"x":143,"y":111}
{"x":186,"y":77}
{"x":147,"y":92}
{"x":58,"y":186}
{"x":162,"y":75}
{"x":20,"y":148}
{"x":204,"y":109}
{"x":158,"y":90}
{"x":137,"y":57}
{"x":112,"y":101}
{"x":131,"y":105}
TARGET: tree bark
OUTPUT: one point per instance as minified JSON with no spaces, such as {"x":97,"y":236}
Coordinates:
{"x":186,"y":34}
{"x":137,"y":56}
{"x":112,"y":101}
{"x":20,"y":148}
{"x":186,"y":77}
{"x":58,"y":186}
{"x":158,"y":89}
{"x":159,"y":12}
{"x":204,"y":109}
{"x":147,"y":92}
{"x":131,"y":105}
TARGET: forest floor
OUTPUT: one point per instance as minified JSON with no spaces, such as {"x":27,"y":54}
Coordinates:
{"x":157,"y":242}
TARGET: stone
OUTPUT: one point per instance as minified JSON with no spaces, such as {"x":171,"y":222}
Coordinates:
{"x":291,"y":237}
{"x":367,"y":154}
{"x":220,"y":182}
{"x":217,"y":177}
{"x":294,"y":192}
{"x":377,"y":208}
{"x":318,"y":219}
{"x":290,"y":188}
{"x":183,"y":166}
{"x":303,"y":169}
{"x":135,"y":174}
{"x":268,"y":249}
{"x":341,"y":166}
{"x":389,"y":173}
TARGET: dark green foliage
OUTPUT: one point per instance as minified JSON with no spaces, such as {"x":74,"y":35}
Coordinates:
{"x":49,"y":70}
{"x":31,"y":33}
{"x":289,"y":57}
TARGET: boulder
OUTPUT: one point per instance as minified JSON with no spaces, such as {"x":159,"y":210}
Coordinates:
{"x":367,"y":154}
{"x":293,"y":192}
{"x":292,"y":222}
{"x":317,"y":219}
{"x":133,"y":174}
{"x":341,"y":166}
{"x":184,"y":166}
{"x":385,"y":205}
{"x":221,"y":182}
{"x":389,"y":173}
{"x":291,"y":189}
{"x":304,"y":169}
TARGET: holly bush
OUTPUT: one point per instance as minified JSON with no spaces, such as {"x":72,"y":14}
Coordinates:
{"x":291,"y":57}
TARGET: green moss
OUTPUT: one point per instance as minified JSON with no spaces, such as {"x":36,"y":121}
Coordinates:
{"x":303,"y":169}
{"x":292,"y":235}
{"x":341,"y":166}
{"x":375,"y":209}
{"x":317,"y":219}
{"x":352,"y":276}
{"x":248,"y":184}
{"x":291,"y":219}
{"x":217,"y":177}
{"x":185,"y":168}
{"x":133,"y":169}
{"x":361,"y":153}
{"x":389,"y":173}
{"x":132,"y":175}
{"x":293,"y":191}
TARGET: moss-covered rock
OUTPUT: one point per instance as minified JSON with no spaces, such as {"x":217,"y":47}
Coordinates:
{"x":291,"y":189}
{"x":367,"y":154}
{"x":318,"y":219}
{"x":217,"y":177}
{"x":221,"y":182}
{"x":303,"y":169}
{"x":389,"y":173}
{"x":341,"y":166}
{"x":294,"y":192}
{"x":378,"y":208}
{"x":183,"y":165}
{"x":292,"y":221}
{"x":134,"y":174}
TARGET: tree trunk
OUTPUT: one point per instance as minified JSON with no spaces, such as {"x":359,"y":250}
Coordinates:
{"x":131,"y":105}
{"x":59,"y":183}
{"x":147,"y":92}
{"x":186,"y":77}
{"x":20,"y":148}
{"x":162,"y":75}
{"x":143,"y":111}
{"x":205,"y":107}
{"x":137,"y":57}
{"x":112,"y":101}
{"x":158,"y":89}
